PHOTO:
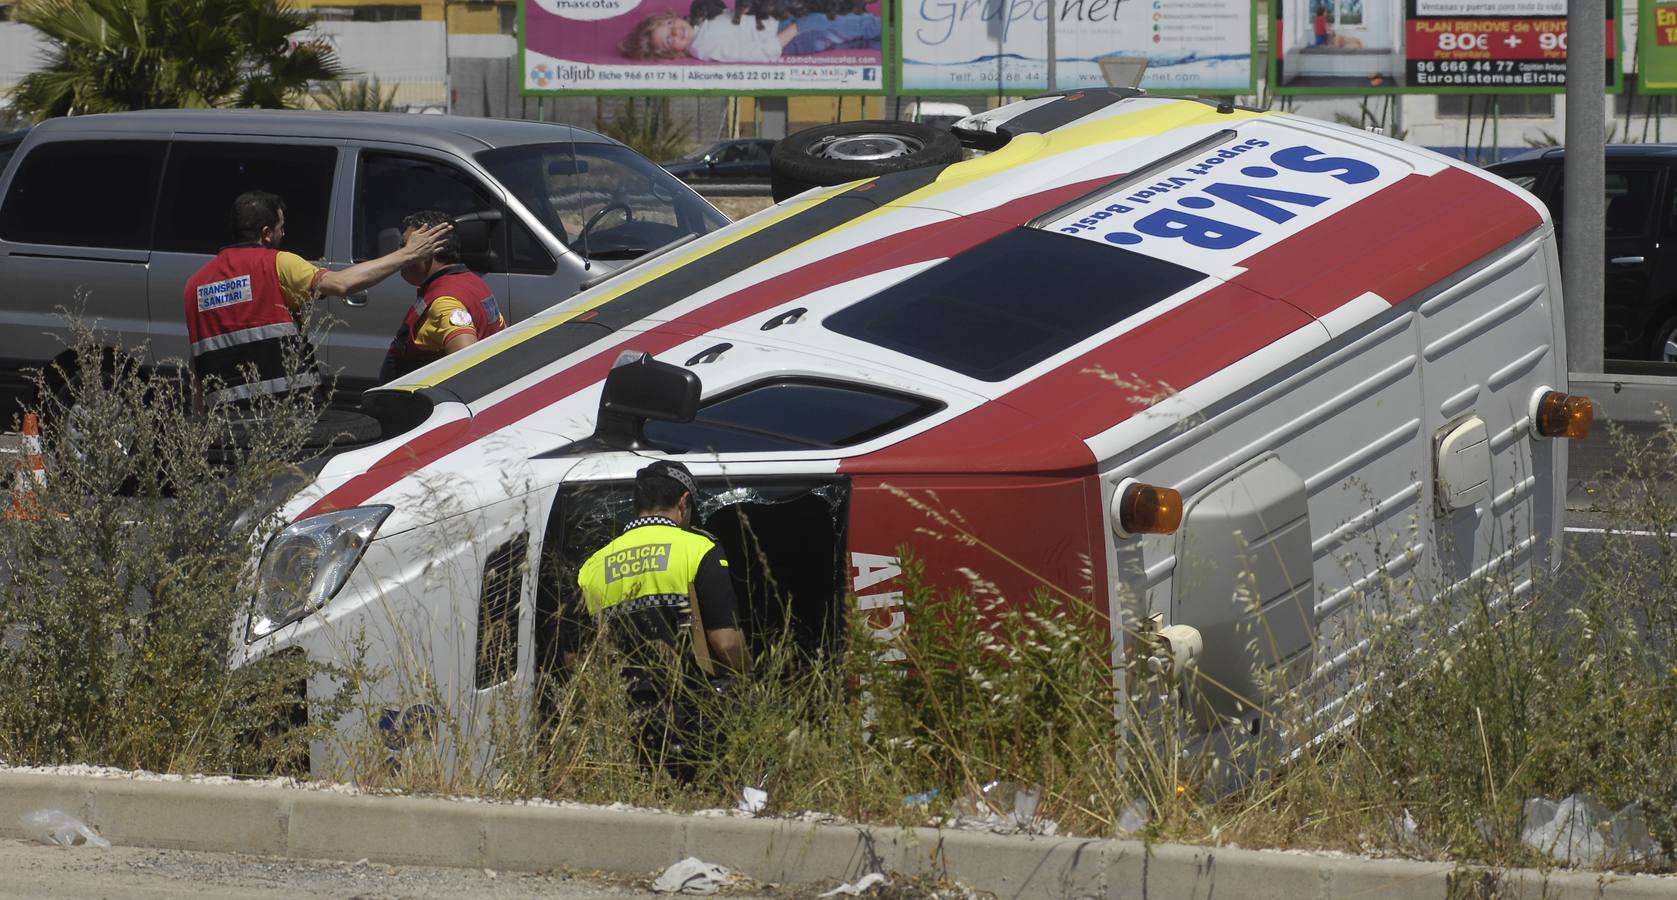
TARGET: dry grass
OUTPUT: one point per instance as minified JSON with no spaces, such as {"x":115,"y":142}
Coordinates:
{"x":1549,"y":697}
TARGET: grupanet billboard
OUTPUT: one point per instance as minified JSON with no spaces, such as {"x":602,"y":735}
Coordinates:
{"x":1001,"y":46}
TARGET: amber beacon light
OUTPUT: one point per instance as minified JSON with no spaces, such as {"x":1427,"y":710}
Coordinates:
{"x":1560,"y":415}
{"x":1148,"y":509}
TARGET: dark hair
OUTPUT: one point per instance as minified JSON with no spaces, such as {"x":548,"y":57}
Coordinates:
{"x":660,"y":485}
{"x":449,"y":252}
{"x":254,"y":211}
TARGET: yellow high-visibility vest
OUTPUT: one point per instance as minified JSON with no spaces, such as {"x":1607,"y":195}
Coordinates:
{"x":643,"y":568}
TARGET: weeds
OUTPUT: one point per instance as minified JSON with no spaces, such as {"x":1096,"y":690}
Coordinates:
{"x":121,"y":581}
{"x":120,"y":598}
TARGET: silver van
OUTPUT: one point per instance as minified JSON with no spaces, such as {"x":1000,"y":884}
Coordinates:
{"x":112,"y":213}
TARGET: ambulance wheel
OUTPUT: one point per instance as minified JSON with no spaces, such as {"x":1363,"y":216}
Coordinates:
{"x":849,"y":151}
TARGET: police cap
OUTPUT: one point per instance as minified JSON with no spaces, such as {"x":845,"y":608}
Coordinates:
{"x":674,"y":471}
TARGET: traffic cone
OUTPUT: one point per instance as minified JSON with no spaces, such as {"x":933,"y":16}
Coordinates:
{"x":31,"y":472}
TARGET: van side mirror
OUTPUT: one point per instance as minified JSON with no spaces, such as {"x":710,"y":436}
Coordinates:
{"x":640,"y":388}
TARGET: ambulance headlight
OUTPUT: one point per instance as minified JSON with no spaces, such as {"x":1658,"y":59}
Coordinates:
{"x":307,"y":564}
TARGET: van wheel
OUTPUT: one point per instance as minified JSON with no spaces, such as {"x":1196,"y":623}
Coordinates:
{"x":59,"y":406}
{"x":849,"y":151}
{"x":1663,"y":348}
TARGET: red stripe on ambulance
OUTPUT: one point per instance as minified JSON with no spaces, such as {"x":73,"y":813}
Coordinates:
{"x":933,"y":241}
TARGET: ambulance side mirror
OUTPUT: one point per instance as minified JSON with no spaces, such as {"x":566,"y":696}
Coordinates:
{"x":638,"y":389}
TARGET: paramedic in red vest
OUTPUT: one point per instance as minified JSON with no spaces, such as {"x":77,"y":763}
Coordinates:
{"x":243,"y":306}
{"x":453,"y":311}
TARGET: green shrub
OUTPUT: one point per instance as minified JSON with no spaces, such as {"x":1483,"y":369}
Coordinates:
{"x":123,"y":583}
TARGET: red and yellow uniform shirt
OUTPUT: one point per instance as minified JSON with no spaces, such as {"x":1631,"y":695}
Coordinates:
{"x":451,"y":301}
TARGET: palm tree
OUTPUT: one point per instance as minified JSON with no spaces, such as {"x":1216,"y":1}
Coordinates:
{"x":651,"y":129}
{"x":112,"y":55}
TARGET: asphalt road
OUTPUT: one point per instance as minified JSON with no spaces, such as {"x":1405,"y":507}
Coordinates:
{"x":37,"y":870}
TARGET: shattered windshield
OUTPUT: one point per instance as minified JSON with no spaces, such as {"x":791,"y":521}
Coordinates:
{"x":602,"y":200}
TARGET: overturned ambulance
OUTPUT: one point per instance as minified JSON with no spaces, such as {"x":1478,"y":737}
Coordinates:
{"x":1189,"y":361}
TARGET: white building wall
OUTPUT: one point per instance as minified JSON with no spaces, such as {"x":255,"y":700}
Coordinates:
{"x":20,"y":51}
{"x":411,"y":57}
{"x":392,"y":51}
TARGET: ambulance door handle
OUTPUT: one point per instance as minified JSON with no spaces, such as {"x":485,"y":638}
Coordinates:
{"x":356,"y":299}
{"x":1628,"y":260}
{"x":709,"y":356}
{"x":785,"y":318}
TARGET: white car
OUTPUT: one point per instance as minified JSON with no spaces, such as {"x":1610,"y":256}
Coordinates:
{"x":1152,"y":352}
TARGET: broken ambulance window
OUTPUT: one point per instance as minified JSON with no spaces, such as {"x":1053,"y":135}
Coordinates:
{"x":1011,"y":302}
{"x":790,"y":415}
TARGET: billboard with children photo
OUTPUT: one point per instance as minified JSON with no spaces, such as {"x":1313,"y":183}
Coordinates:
{"x":702,"y":46}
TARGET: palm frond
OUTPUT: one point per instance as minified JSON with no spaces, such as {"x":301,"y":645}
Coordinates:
{"x":106,"y":55}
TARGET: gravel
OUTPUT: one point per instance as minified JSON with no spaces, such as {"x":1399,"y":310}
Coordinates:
{"x":36,"y":870}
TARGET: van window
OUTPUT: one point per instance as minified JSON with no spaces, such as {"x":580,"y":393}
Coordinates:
{"x":1629,"y":195}
{"x":1525,"y":181}
{"x":84,"y":194}
{"x":1011,"y":302}
{"x":202,"y":179}
{"x":790,"y":415}
{"x":390,"y":187}
{"x":604,"y":196}
{"x":8,"y":148}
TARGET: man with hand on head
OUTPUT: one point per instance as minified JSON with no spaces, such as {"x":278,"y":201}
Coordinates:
{"x":243,"y":306}
{"x":454,"y":310}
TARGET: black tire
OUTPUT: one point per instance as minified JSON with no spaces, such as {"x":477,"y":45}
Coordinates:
{"x":849,"y":151}
{"x":58,"y":408}
{"x":1667,"y":331}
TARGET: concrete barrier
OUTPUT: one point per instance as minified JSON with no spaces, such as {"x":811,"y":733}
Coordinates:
{"x":273,"y":820}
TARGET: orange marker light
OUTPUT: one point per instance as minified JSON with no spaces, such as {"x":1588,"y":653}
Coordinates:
{"x":1564,"y":415}
{"x":1149,"y":509}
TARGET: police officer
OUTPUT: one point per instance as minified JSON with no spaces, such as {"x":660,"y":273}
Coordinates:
{"x":242,"y":307}
{"x":455,"y":308}
{"x":662,"y":593}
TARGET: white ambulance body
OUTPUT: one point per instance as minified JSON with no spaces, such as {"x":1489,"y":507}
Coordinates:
{"x":1330,"y":343}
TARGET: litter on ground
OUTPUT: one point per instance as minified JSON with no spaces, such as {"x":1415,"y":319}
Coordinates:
{"x":55,"y":826}
{"x":692,"y":876}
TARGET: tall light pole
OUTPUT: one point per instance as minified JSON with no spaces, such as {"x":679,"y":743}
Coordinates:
{"x":1053,"y":55}
{"x":448,"y":67}
{"x":1585,"y":182}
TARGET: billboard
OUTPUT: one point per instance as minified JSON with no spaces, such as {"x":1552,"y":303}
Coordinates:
{"x":702,"y":46}
{"x":1426,"y":46}
{"x":1001,"y":46}
{"x":1656,"y":47}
